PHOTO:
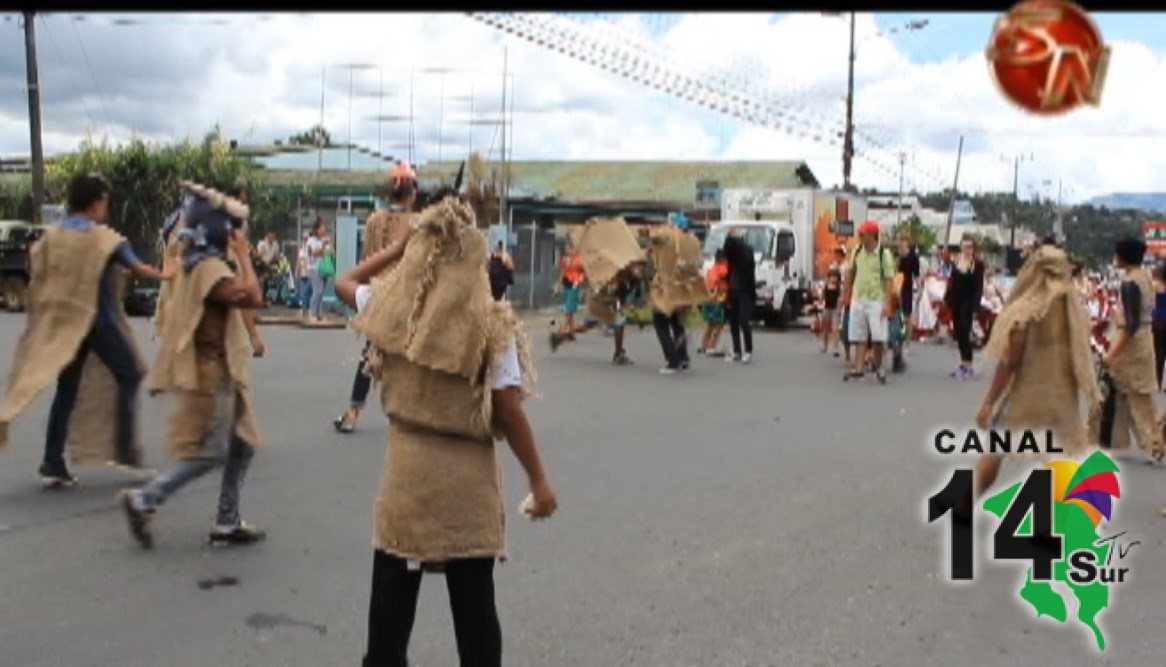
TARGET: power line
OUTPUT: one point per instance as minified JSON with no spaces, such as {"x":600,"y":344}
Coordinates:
{"x":68,"y":70}
{"x":89,"y":65}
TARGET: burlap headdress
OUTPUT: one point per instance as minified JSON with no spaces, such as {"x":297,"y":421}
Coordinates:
{"x":1046,"y":278}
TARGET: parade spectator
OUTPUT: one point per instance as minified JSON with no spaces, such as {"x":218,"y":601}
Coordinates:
{"x":714,"y":312}
{"x":965,"y":289}
{"x":909,"y":269}
{"x":319,"y":247}
{"x":742,"y":294}
{"x":501,"y":268}
{"x":831,"y":295}
{"x":868,"y":292}
{"x":305,"y":285}
{"x":1159,"y":317}
{"x":571,"y":277}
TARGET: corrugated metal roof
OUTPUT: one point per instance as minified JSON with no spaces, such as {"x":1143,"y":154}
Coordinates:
{"x":334,"y":159}
{"x":642,"y":181}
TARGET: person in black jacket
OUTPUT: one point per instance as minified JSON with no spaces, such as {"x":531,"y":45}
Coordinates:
{"x":501,"y":270}
{"x":742,"y":294}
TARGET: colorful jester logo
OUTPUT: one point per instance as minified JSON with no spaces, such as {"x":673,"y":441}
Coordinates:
{"x":1082,"y":561}
{"x":1047,"y":56}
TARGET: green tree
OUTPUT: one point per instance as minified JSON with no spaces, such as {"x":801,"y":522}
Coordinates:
{"x":318,"y":135}
{"x":921,"y":235}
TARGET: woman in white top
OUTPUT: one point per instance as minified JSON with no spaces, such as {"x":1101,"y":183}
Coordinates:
{"x":305,"y":285}
{"x":319,"y":246}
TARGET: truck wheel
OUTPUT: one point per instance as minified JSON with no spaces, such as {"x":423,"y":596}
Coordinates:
{"x":15,"y":291}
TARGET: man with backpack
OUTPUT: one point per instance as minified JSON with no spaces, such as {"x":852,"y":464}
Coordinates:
{"x":869,"y":287}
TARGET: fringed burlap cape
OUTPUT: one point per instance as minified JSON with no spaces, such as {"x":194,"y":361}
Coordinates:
{"x":179,"y":368}
{"x":607,"y":246}
{"x":382,"y":229}
{"x":678,"y":259}
{"x":438,"y":337}
{"x":1055,"y":374}
{"x":66,"y":268}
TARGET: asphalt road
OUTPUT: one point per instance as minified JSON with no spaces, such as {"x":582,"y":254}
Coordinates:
{"x":761,"y":515}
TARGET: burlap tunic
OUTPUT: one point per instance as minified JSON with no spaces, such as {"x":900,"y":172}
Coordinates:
{"x":66,"y":268}
{"x":1133,"y":370}
{"x":438,"y":334}
{"x":197,"y":376}
{"x":678,"y":282}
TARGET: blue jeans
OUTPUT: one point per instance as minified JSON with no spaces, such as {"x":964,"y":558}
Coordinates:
{"x":223,"y":447}
{"x":111,"y":347}
{"x":319,"y":288}
{"x":305,"y":292}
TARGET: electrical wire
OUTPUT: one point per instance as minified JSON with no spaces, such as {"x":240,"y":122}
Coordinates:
{"x":68,"y":71}
{"x":89,"y":65}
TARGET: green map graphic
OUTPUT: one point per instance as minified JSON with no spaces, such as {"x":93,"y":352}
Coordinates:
{"x":1078,"y":532}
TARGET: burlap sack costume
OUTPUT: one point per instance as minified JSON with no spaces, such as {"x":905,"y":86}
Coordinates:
{"x":66,"y":268}
{"x":1056,"y":372}
{"x":607,"y":246}
{"x":439,"y":335}
{"x":678,"y":259}
{"x":382,"y":229}
{"x":196,"y":375}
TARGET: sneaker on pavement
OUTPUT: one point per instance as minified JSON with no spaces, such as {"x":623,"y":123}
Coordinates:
{"x":732,"y":358}
{"x":556,"y":341}
{"x":746,"y":358}
{"x":236,"y":535}
{"x":138,"y":518}
{"x":344,"y":424}
{"x":56,"y":476}
{"x":668,"y":370}
{"x":882,"y":376}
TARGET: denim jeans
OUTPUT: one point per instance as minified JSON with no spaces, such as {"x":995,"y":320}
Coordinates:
{"x":111,"y":347}
{"x":222,"y":447}
{"x":319,"y":287}
{"x":305,"y":292}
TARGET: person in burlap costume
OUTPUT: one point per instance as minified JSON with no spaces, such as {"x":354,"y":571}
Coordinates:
{"x":1129,"y":361}
{"x":1044,"y":369}
{"x":456,"y":359}
{"x":75,"y":308}
{"x":677,"y":285}
{"x":383,"y":229}
{"x":202,"y":357}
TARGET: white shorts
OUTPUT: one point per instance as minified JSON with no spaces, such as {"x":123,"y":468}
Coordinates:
{"x":867,"y":318}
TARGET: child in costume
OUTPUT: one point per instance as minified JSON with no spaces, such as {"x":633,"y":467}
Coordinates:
{"x":75,"y":309}
{"x":456,"y":358}
{"x":714,"y":311}
{"x":203,"y":355}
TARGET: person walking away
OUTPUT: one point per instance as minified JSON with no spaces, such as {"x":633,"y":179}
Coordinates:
{"x":868,"y":292}
{"x":1044,"y":373}
{"x":1159,"y":318}
{"x":440,"y":504}
{"x":384,"y":229}
{"x":714,"y":312}
{"x":831,"y":296}
{"x":965,"y":289}
{"x":1130,"y":358}
{"x":76,"y":320}
{"x":742,"y":295}
{"x":305,"y":281}
{"x":203,"y":357}
{"x":501,"y":268}
{"x":909,"y":269}
{"x":319,"y":252}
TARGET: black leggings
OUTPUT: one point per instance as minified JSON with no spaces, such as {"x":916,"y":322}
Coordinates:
{"x":1159,"y":348}
{"x":361,"y":383}
{"x":963,"y":315}
{"x":740,"y":314}
{"x":672,"y":336}
{"x":393,"y":606}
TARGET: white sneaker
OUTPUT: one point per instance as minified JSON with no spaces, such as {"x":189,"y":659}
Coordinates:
{"x":667,"y":371}
{"x":746,"y":358}
{"x":731,"y":358}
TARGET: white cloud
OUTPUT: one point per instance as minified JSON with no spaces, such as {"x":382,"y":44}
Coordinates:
{"x":260,"y":79}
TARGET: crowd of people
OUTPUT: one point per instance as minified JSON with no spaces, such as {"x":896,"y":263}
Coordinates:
{"x":453,"y":361}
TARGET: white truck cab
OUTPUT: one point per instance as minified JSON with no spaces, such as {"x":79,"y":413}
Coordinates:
{"x":781,"y":281}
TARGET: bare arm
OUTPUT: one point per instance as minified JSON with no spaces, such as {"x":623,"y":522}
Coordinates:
{"x":1005,"y":369}
{"x":511,"y":420}
{"x":364,"y":272}
{"x":241,"y":291}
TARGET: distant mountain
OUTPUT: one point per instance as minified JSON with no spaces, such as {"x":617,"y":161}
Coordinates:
{"x":1145,"y":201}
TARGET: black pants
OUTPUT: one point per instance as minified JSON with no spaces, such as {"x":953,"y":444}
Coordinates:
{"x":741,"y":306}
{"x":1159,"y":348}
{"x":963,"y":314}
{"x":672,"y":336}
{"x":498,"y":290}
{"x":111,"y":347}
{"x":361,"y":383}
{"x":394,"y":605}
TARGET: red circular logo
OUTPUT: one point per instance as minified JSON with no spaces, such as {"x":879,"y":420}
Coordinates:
{"x":1047,"y":56}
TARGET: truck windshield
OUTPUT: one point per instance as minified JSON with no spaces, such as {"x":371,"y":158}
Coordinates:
{"x":759,"y":238}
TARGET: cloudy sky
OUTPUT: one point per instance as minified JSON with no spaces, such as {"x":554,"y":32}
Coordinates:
{"x":165,"y":77}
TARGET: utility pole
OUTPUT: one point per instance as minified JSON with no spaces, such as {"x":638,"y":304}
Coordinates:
{"x":38,"y":157}
{"x":954,"y":192}
{"x":351,"y":74}
{"x":502,"y":203}
{"x":899,"y":208}
{"x":1015,"y":202}
{"x":848,"y":138}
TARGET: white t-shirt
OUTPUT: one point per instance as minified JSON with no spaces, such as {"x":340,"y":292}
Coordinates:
{"x":268,"y":250}
{"x":509,"y":373}
{"x":314,"y":246}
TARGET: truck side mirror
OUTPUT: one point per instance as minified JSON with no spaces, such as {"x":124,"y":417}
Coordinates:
{"x":785,"y":247}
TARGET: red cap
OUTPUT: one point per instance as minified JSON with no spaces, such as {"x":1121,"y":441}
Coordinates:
{"x":869,"y":227}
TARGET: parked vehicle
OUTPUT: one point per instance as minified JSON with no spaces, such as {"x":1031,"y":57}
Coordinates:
{"x":16,"y":236}
{"x":793,"y":234}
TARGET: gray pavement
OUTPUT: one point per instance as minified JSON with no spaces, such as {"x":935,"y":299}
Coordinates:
{"x":761,"y":515}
